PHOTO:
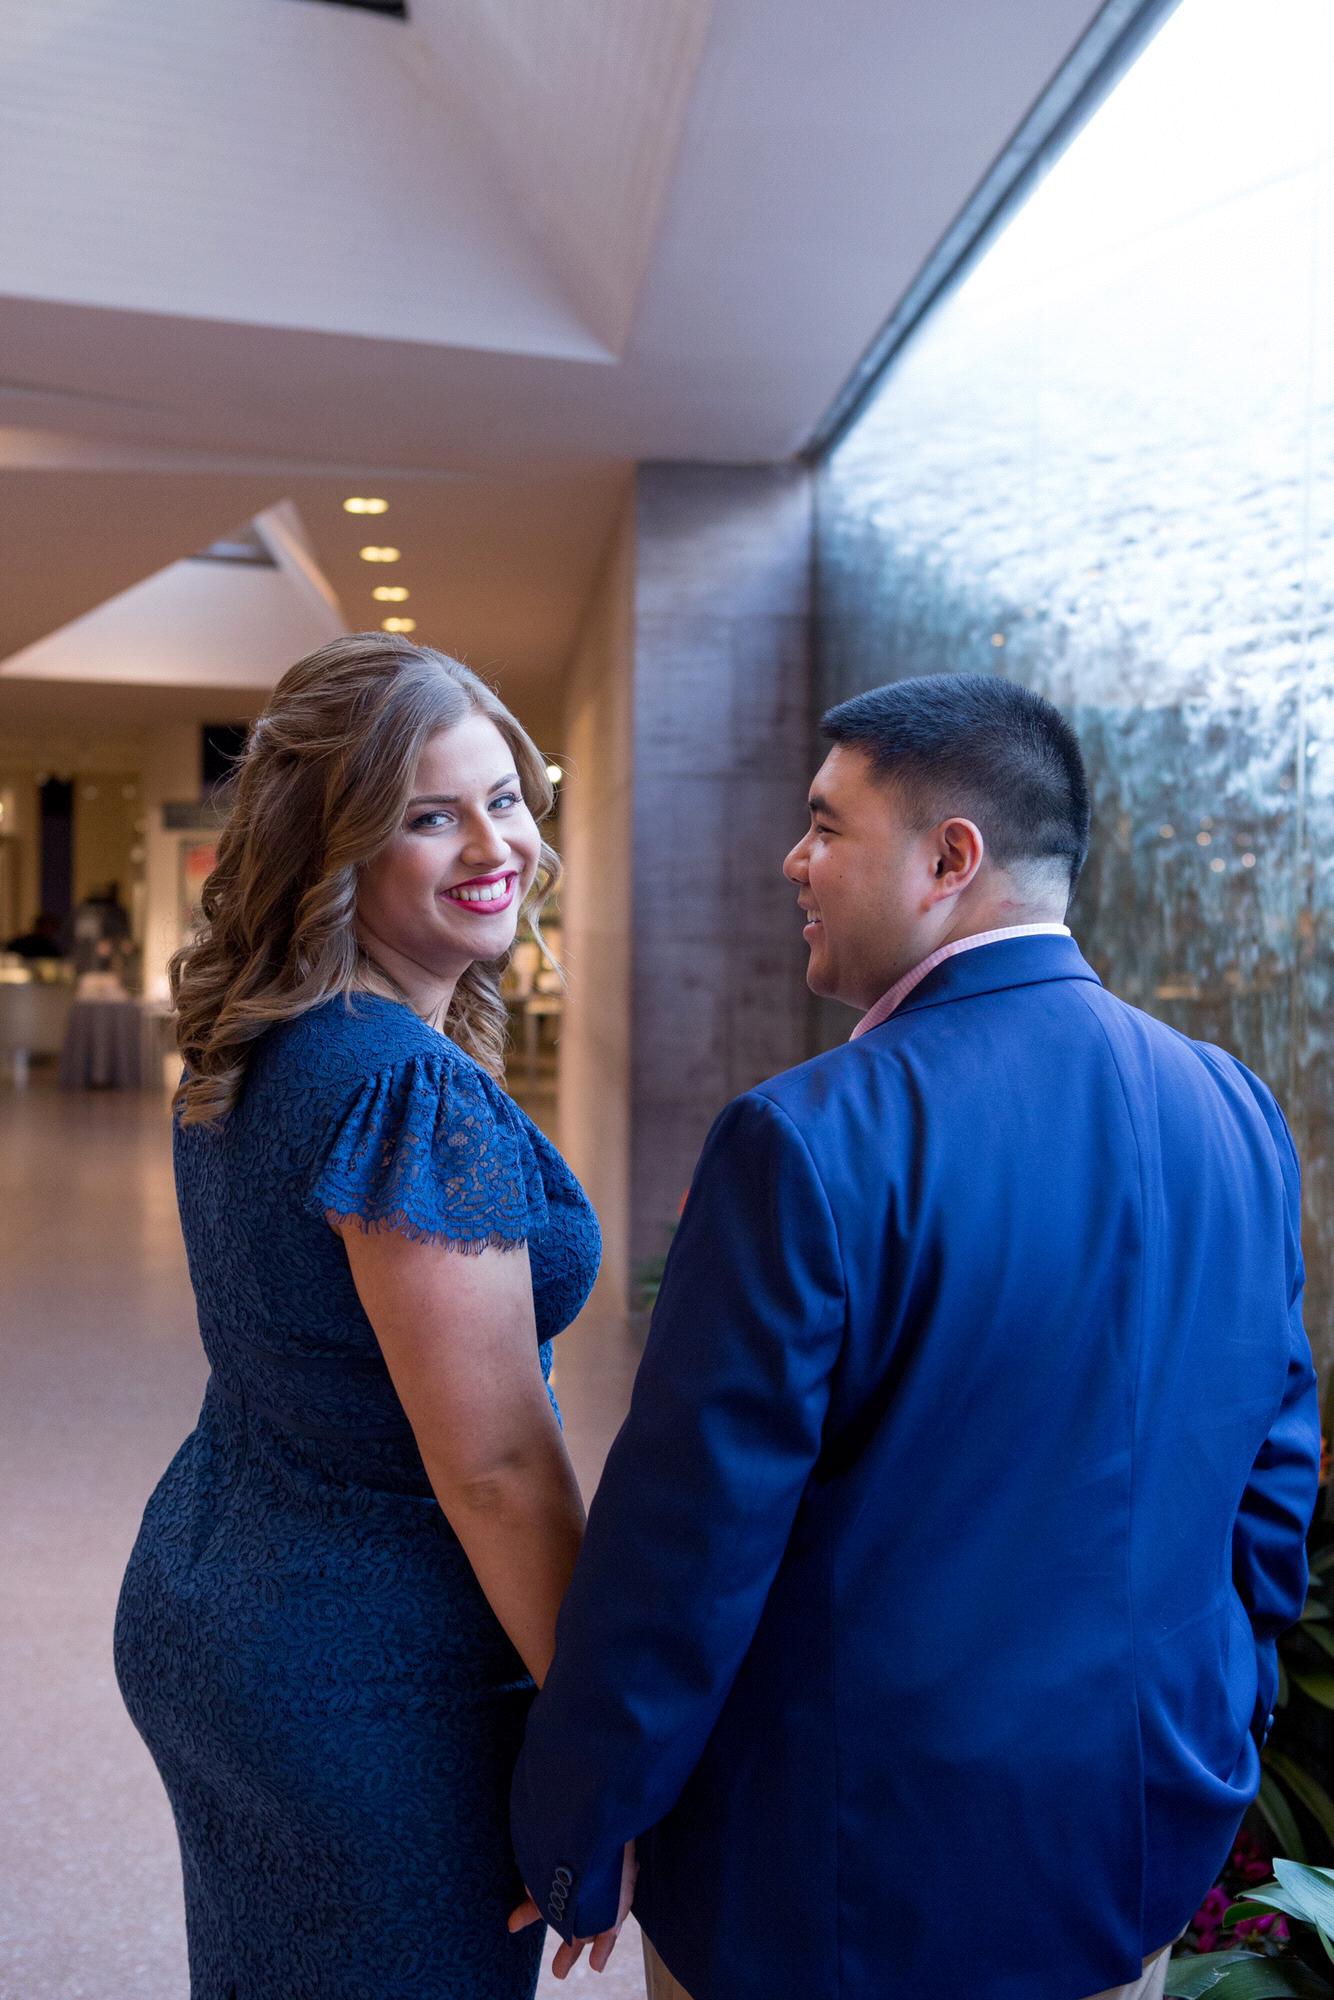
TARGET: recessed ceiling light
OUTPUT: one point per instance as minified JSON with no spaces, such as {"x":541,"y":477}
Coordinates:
{"x":555,"y":773}
{"x":399,"y":624}
{"x":357,"y":505}
{"x":379,"y":555}
{"x":390,"y":593}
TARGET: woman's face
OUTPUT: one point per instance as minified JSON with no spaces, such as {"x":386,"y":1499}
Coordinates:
{"x":447,"y":888}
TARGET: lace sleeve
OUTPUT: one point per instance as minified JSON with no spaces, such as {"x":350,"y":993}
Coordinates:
{"x":433,"y":1149}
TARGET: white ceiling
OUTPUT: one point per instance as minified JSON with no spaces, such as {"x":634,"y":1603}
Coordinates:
{"x":246,"y":621}
{"x":269,"y":251}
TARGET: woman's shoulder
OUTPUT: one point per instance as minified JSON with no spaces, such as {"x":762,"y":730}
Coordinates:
{"x":414,"y":1134}
{"x":347,"y":1042}
{"x":342,"y":1043}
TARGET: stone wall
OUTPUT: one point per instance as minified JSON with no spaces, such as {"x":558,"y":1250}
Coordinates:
{"x":721,"y":761}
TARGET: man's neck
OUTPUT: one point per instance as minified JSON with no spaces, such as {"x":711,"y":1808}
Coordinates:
{"x":999,"y":917}
{"x":999,"y":914}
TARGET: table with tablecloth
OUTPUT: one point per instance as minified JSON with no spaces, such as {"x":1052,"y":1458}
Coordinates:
{"x":110,"y":1045}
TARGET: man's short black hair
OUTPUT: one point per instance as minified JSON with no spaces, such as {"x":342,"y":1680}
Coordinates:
{"x":982,"y":747}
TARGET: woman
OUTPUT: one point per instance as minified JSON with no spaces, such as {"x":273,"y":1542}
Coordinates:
{"x":347,"y":1580}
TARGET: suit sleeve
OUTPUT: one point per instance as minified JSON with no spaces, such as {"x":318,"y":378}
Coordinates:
{"x":692,"y":1516}
{"x":1269,"y":1541}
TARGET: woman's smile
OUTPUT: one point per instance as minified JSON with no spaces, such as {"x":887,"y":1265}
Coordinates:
{"x":483,"y":895}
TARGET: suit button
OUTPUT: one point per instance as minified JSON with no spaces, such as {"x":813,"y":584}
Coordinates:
{"x":564,"y":1876}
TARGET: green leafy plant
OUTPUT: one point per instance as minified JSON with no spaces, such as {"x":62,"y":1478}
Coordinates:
{"x":1301,"y":1895}
{"x":649,"y":1276}
{"x":1282,"y":1931}
{"x":648,"y":1280}
{"x":1293,"y":1800}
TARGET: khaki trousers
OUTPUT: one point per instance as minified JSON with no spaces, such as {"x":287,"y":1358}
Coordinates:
{"x":661,"y":1985}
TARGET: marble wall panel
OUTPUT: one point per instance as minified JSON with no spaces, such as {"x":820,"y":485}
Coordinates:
{"x":1104,"y":466}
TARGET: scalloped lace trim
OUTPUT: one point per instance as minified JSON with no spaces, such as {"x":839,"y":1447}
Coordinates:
{"x":399,"y":1223}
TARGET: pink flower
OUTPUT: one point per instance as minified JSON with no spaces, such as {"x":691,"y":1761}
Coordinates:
{"x":1213,"y":1908}
{"x":1272,"y":1925}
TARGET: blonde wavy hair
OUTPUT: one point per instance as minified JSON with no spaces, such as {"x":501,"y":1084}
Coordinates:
{"x":322,"y":786}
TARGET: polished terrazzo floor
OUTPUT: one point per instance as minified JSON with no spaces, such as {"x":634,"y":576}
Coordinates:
{"x":100,"y":1378}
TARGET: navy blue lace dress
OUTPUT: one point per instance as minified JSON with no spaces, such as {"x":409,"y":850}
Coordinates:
{"x":332,"y":1704}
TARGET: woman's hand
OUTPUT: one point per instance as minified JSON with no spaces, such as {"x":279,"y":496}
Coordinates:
{"x":604,"y":1944}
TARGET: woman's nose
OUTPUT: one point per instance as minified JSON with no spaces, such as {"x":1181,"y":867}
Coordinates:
{"x":486,"y":842}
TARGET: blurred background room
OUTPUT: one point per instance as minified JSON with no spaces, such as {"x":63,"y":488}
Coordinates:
{"x":683,"y":368}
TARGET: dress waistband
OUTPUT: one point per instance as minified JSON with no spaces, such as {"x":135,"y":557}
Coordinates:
{"x":335,"y":1397}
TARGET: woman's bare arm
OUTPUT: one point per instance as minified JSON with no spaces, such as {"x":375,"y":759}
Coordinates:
{"x":458,"y":1335}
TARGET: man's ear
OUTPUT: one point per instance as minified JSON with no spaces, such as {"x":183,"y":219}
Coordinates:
{"x":961,"y":852}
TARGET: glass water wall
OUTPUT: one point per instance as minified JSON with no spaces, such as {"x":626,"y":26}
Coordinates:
{"x":1104,"y":465}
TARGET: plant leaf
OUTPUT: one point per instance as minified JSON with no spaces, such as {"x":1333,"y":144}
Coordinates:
{"x":1301,"y":1892}
{"x":1321,"y":1638}
{"x":1244,"y":1975}
{"x":1273,"y":1806}
{"x":1323,"y":1562}
{"x":1247,"y":1977}
{"x":1320,"y":1687}
{"x":1311,"y":1890}
{"x":1303,"y":1786}
{"x":1187,"y":1977}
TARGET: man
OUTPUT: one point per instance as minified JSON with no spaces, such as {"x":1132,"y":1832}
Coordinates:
{"x":99,"y":930}
{"x":924,"y":1631}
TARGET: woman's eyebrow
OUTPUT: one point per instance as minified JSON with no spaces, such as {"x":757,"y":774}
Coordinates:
{"x":451,"y":798}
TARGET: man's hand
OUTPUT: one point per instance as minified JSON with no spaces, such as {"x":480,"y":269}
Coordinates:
{"x":604,"y":1944}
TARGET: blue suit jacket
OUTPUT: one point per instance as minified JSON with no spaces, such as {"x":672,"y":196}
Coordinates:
{"x":924,"y":1631}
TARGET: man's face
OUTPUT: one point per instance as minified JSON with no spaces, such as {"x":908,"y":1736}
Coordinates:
{"x":864,"y":880}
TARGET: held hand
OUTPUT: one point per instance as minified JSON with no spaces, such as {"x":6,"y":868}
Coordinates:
{"x":604,"y":1944}
{"x":569,"y":1954}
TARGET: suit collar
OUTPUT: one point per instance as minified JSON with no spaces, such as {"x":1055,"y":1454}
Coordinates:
{"x":991,"y":968}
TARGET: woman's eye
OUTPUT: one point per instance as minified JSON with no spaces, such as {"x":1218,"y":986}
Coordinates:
{"x":505,"y":799}
{"x":425,"y":820}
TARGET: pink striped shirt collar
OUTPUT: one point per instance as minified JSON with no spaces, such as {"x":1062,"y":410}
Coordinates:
{"x":900,"y":990}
